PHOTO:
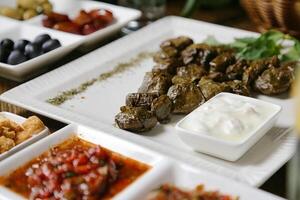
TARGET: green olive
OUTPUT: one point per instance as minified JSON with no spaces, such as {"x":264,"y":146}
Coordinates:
{"x":27,"y":4}
{"x":29,"y":14}
{"x":47,"y":7}
{"x":42,"y":1}
{"x":21,"y":11}
{"x":10,"y":12}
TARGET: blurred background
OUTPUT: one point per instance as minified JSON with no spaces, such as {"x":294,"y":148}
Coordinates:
{"x":253,"y":15}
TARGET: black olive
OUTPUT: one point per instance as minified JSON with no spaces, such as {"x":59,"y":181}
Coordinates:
{"x":32,"y":50}
{"x":50,"y":45}
{"x":4,"y":53}
{"x":20,"y":45}
{"x":41,"y":39}
{"x":16,"y":57}
{"x":7,"y":44}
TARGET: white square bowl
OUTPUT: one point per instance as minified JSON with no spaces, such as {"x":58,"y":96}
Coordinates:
{"x":15,"y":30}
{"x":159,"y":164}
{"x":228,"y":150}
{"x":188,"y":178}
{"x":18,"y":119}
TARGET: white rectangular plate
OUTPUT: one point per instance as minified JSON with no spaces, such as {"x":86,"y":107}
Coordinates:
{"x":163,"y":170}
{"x":97,"y":106}
{"x":18,"y":119}
{"x":122,"y":16}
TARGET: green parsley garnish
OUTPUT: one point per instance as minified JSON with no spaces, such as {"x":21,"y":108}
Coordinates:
{"x":268,"y":44}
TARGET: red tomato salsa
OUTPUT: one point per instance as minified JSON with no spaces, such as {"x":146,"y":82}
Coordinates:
{"x":75,"y":169}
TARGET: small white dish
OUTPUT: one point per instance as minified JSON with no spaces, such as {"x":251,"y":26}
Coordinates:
{"x":215,"y":144}
{"x":15,"y":30}
{"x":122,"y":16}
{"x":18,"y":119}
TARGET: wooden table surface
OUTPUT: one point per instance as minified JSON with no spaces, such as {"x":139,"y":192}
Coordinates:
{"x":232,"y":16}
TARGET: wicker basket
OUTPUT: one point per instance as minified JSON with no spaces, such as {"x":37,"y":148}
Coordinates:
{"x":280,"y":14}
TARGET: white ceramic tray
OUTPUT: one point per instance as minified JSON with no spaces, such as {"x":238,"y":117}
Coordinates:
{"x":164,"y":170}
{"x":18,"y":119}
{"x":97,"y":106}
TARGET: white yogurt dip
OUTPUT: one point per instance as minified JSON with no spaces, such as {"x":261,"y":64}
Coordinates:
{"x":227,"y":118}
